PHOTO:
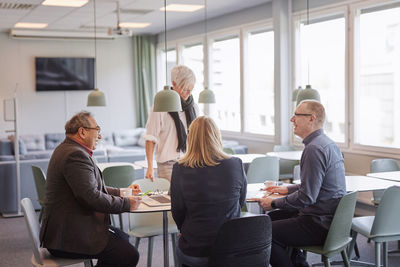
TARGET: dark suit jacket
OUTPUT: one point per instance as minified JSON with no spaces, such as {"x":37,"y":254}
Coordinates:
{"x":202,"y":199}
{"x":77,"y":203}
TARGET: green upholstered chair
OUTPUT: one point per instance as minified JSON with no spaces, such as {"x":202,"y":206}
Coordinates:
{"x":149,"y":225}
{"x":229,"y":151}
{"x":338,"y":237}
{"x":286,"y":167}
{"x":41,"y":257}
{"x":381,"y":228}
{"x":120,"y":177}
{"x":40,"y":182}
{"x":382,"y":165}
{"x":262,"y":169}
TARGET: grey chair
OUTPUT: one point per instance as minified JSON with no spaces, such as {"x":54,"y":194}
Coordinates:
{"x":262,"y":169}
{"x":286,"y":166}
{"x":41,"y":257}
{"x":338,"y":237}
{"x":149,"y":225}
{"x":381,"y":228}
{"x":119,"y":177}
{"x":382,"y":165}
{"x":40,"y":183}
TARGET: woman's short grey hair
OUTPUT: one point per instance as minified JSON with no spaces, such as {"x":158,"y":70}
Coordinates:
{"x":183,"y":76}
{"x":80,"y":119}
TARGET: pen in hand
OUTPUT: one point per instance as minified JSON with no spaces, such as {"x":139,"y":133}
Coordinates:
{"x":145,"y":193}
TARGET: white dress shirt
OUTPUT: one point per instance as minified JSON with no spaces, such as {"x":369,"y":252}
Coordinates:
{"x":160,"y":129}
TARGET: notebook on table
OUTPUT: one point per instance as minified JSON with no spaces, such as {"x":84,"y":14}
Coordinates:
{"x":157,"y":200}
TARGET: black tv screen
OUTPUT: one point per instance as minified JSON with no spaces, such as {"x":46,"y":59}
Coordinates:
{"x":57,"y":74}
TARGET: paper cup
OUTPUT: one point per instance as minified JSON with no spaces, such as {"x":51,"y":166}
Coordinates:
{"x":272,"y":183}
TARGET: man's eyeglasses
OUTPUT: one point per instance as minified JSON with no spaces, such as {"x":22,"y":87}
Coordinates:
{"x":301,"y":114}
{"x":98,"y":129}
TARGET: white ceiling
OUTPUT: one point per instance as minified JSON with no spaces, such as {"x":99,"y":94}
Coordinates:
{"x":82,"y":19}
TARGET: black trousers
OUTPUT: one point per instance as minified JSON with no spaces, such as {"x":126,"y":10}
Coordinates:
{"x":118,"y":251}
{"x":289,"y":229}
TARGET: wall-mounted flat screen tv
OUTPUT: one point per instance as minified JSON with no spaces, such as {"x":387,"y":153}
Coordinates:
{"x":67,"y":73}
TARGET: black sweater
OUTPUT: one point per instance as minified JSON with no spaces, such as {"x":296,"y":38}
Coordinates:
{"x":203,"y":199}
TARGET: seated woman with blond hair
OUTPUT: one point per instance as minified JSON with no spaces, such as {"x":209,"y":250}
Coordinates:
{"x":208,"y":187}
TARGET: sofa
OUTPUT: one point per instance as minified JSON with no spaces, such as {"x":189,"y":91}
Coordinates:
{"x":36,"y":149}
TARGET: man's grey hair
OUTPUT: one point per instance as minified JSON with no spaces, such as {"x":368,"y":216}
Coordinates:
{"x":80,"y":119}
{"x":183,"y":76}
{"x":317,"y":109}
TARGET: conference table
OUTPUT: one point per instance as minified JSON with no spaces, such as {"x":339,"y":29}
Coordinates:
{"x":390,"y":176}
{"x":288,"y":155}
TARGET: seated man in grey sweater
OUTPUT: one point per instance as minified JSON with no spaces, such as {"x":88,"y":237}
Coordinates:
{"x":307,"y":209}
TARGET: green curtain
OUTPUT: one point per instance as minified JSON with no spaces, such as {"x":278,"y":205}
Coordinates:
{"x":145,"y":75}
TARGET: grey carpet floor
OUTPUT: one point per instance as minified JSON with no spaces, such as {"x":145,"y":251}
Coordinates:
{"x":15,"y":247}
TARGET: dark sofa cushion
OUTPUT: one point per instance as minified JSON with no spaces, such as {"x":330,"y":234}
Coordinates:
{"x":52,"y":140}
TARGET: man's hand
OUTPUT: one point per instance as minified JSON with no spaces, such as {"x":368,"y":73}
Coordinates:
{"x":150,"y":174}
{"x":135,"y":189}
{"x":265,"y":202}
{"x":134,"y":202}
{"x":281,"y":190}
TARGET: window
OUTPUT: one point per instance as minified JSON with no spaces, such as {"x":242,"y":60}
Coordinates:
{"x":320,"y":55}
{"x":225,"y":82}
{"x":259,"y":108}
{"x":171,"y":62}
{"x":377,"y":77}
{"x":192,"y":56}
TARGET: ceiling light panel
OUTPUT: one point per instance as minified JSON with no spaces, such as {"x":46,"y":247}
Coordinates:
{"x":182,"y":8}
{"x":137,"y":25}
{"x":68,"y":3}
{"x":30,"y":25}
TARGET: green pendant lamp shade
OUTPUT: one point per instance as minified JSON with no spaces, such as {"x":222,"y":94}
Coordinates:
{"x":96,"y":99}
{"x":307,"y":94}
{"x":206,"y":96}
{"x":167,"y":100}
{"x":295,"y":93}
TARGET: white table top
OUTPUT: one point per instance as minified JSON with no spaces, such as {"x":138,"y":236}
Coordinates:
{"x":143,"y":164}
{"x":102,"y":166}
{"x":366,"y":183}
{"x":248,"y":158}
{"x":391,"y":176}
{"x":289,"y":155}
{"x":143,"y":208}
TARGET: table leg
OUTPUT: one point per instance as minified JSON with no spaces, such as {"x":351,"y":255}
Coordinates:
{"x":165,"y":238}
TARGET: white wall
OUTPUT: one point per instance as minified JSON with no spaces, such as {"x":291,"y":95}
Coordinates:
{"x":47,"y":112}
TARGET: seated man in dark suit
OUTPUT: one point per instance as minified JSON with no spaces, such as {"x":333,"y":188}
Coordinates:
{"x":76,"y":220}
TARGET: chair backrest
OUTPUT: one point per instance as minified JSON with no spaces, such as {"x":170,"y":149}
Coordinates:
{"x":384,"y":165}
{"x":339,"y":231}
{"x":40,"y":182}
{"x":387,"y":216}
{"x":280,"y":148}
{"x":229,"y":151}
{"x":296,"y":172}
{"x":119,"y":176}
{"x":154,"y":218}
{"x":263,"y":168}
{"x":32,"y":224}
{"x":244,"y":241}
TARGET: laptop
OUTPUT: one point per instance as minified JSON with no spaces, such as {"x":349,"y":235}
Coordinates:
{"x":157,"y":200}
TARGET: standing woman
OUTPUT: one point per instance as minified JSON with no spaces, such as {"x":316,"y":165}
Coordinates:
{"x":166,"y":131}
{"x":208,"y":187}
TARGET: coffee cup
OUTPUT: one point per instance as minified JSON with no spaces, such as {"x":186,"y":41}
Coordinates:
{"x":272,"y":183}
{"x":125,"y":192}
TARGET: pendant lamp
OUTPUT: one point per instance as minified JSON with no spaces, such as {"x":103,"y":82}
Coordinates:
{"x":206,"y":96}
{"x":167,"y":100}
{"x":307,"y":94}
{"x":96,"y":98}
